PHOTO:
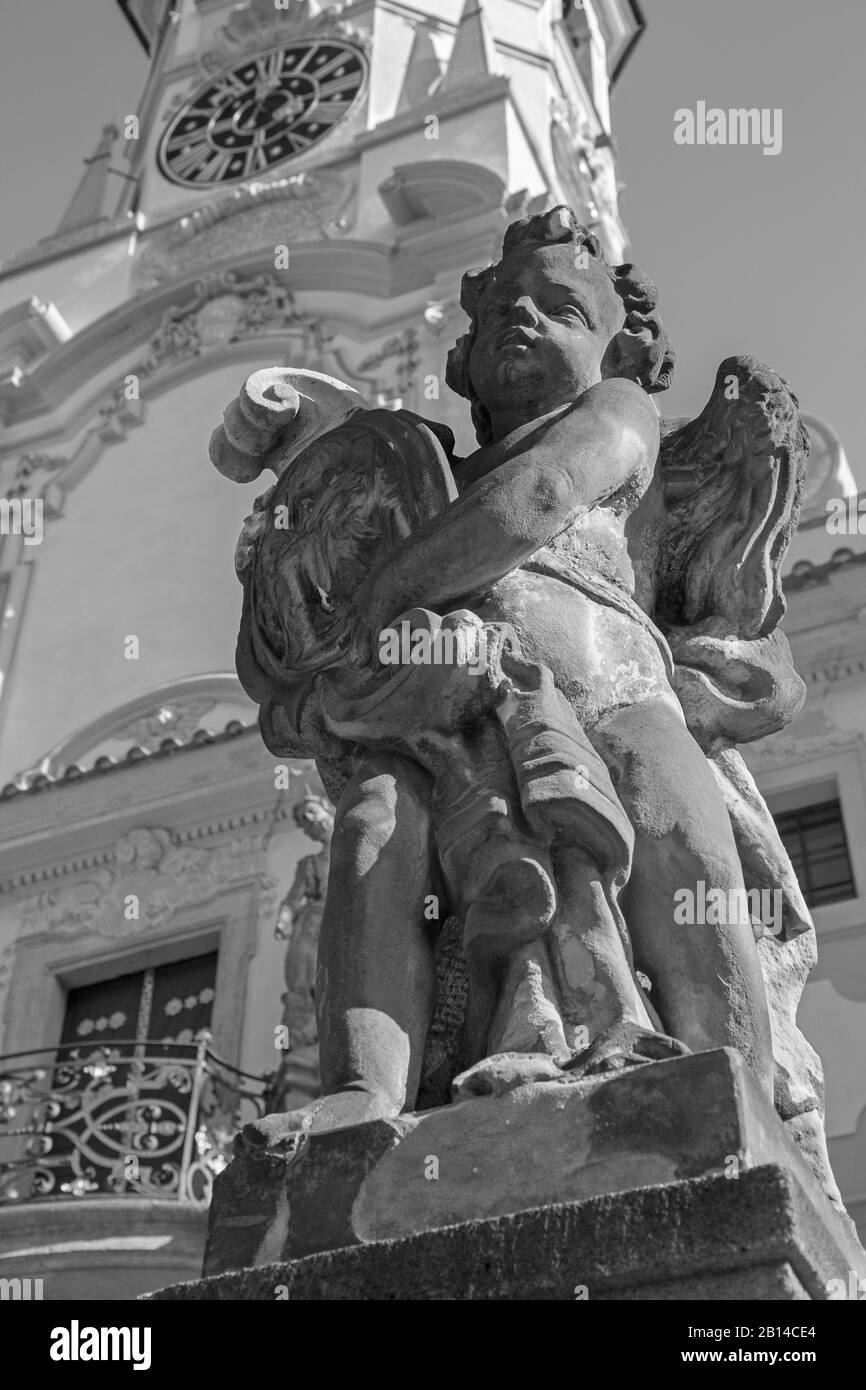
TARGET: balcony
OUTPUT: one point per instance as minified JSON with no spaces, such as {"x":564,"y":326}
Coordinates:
{"x":107,"y":1161}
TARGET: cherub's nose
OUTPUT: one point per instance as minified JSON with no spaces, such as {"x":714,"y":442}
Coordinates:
{"x":523,"y":310}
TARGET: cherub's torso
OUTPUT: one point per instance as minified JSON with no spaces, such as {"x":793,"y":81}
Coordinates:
{"x":579,"y":605}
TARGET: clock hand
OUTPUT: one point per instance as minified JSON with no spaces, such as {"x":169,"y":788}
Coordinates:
{"x":265,"y":85}
{"x":292,"y":106}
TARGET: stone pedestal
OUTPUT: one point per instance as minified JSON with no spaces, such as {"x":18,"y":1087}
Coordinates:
{"x":672,"y":1180}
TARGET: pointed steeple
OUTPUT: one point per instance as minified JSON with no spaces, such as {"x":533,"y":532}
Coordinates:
{"x":474,"y":53}
{"x":88,"y":202}
{"x":423,"y":71}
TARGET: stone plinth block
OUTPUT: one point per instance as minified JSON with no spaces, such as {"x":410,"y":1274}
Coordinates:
{"x":756,"y":1238}
{"x":674,"y":1179}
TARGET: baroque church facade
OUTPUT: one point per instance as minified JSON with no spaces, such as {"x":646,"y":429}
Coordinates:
{"x":298,"y":185}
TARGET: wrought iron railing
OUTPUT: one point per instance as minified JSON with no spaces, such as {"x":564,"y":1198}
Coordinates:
{"x":147,"y":1119}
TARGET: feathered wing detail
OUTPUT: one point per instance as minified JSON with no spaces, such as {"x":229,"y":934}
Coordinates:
{"x":732,"y":481}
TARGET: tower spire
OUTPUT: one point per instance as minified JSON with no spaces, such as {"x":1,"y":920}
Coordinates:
{"x":474,"y":53}
{"x":423,"y":71}
{"x":87,"y":204}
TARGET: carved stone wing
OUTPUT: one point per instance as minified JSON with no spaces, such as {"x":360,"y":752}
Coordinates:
{"x":732,"y":481}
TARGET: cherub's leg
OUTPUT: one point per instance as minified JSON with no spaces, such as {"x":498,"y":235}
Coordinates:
{"x":706,"y":979}
{"x":592,"y":961}
{"x":376,"y":977}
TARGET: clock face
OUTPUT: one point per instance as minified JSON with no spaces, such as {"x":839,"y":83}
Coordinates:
{"x":265,"y":110}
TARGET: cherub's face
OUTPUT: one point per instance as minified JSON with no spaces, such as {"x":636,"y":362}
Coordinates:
{"x":544,"y":323}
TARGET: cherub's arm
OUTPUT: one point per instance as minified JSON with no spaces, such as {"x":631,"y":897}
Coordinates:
{"x":523,"y":495}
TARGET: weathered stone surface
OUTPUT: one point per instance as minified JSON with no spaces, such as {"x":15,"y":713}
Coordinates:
{"x":545,"y":1142}
{"x":273,"y":1207}
{"x":759,"y":1236}
{"x":537,"y":1145}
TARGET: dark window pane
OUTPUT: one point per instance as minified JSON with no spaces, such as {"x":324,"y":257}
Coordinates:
{"x":814,"y":837}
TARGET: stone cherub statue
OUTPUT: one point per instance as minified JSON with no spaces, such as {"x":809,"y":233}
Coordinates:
{"x":530,"y":808}
{"x":299,"y":919}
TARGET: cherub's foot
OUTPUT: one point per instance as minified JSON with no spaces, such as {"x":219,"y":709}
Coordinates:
{"x":280,"y":1135}
{"x":504,"y":1072}
{"x":283,"y":1135}
{"x":624,"y":1044}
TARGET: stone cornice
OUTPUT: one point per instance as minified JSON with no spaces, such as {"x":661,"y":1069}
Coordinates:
{"x":790,"y":747}
{"x":806,"y":575}
{"x":209,"y":791}
{"x":179,"y":714}
{"x":367,"y":268}
{"x":833,"y":669}
{"x":111,"y":338}
{"x":56,"y":247}
{"x":55,"y":870}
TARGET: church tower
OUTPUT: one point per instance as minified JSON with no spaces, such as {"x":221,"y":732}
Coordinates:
{"x":298,"y":183}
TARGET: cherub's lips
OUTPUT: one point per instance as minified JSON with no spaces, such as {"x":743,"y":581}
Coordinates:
{"x":516,"y":336}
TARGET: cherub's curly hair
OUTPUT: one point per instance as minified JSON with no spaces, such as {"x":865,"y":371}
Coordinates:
{"x":638,"y":294}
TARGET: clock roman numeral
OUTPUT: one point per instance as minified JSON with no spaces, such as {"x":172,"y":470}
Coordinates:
{"x":298,"y":141}
{"x":180,"y":140}
{"x":340,"y":61}
{"x":226,"y":87}
{"x":216,"y":167}
{"x":340,"y":86}
{"x":256,"y":159}
{"x":329,"y":111}
{"x":269,"y":65}
{"x":186,"y":162}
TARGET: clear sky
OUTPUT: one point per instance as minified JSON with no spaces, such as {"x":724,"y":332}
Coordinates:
{"x":752,"y":253}
{"x":66,"y":68}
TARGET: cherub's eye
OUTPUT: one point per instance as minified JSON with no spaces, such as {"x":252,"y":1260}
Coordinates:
{"x":567,"y":309}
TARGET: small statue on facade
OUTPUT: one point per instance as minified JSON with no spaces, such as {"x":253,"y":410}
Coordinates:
{"x":591,"y":602}
{"x":299,"y":918}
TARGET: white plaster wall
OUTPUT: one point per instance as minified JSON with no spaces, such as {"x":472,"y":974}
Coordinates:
{"x":82,"y":286}
{"x":146,"y":548}
{"x":836,"y":1028}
